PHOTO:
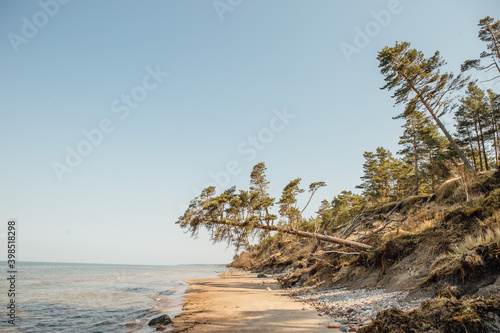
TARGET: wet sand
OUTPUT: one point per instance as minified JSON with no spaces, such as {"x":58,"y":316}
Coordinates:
{"x":241,"y":302}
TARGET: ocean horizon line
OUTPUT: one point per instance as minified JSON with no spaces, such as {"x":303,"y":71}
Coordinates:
{"x":111,"y":264}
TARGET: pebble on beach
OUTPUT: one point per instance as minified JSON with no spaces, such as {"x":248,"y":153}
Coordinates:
{"x":334,"y":325}
{"x":352,"y":309}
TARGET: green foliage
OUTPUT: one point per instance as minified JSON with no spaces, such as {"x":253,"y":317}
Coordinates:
{"x":478,"y":127}
{"x":346,"y":205}
{"x":338,"y":212}
{"x":410,"y":74}
{"x":288,"y":202}
{"x":489,"y":33}
{"x":423,"y":149}
{"x":418,"y":82}
{"x":258,"y":192}
{"x":478,"y":120}
{"x":237,"y":217}
{"x":384,"y":176}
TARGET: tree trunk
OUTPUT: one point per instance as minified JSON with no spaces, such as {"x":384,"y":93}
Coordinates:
{"x":415,"y":154}
{"x":498,"y":143}
{"x":495,"y":143}
{"x":441,"y":126}
{"x":478,"y":140}
{"x":472,"y":149}
{"x":329,"y":239}
{"x":482,"y":142}
{"x":321,"y":237}
{"x":495,"y":135}
{"x":288,"y":281}
{"x":431,"y":173}
{"x":484,"y":149}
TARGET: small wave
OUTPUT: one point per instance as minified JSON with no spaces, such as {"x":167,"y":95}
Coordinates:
{"x":139,"y":290}
{"x":131,"y":324}
{"x":145,"y":313}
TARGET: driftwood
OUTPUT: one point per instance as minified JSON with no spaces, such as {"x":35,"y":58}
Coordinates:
{"x":288,"y":281}
{"x":340,"y":252}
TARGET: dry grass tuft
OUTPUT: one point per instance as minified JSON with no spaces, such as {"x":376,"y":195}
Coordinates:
{"x":488,"y":236}
{"x":423,"y":220}
{"x":394,"y":234}
{"x":466,"y":187}
{"x":447,"y":189}
{"x":443,"y":263}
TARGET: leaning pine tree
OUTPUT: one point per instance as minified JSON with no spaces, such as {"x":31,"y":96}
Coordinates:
{"x":237,"y":217}
{"x":418,"y":80}
{"x":489,"y":33}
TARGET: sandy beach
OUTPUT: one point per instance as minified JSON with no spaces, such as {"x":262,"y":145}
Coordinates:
{"x":241,"y":302}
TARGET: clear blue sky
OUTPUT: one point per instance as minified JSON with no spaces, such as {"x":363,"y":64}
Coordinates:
{"x":230,"y":70}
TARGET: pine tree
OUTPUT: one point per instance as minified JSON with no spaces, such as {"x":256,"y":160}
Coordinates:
{"x":475,"y":115}
{"x":418,"y":79}
{"x":489,"y":33}
{"x":383,"y":176}
{"x":345,"y":206}
{"x":370,"y":187}
{"x":384,"y":168}
{"x":325,"y":216}
{"x":437,"y":153}
{"x":400,"y":174}
{"x":261,"y":200}
{"x":288,"y":202}
{"x":236,"y":218}
{"x":465,"y":134}
{"x":413,"y":140}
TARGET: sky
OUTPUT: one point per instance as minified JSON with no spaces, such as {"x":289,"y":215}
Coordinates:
{"x":115,"y":114}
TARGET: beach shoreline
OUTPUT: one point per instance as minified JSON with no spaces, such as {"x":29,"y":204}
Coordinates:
{"x":238,"y":301}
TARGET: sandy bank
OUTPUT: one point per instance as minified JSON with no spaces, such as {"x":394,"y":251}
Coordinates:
{"x":240,"y":302}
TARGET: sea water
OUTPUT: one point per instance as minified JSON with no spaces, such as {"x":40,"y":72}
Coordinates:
{"x":59,"y":297}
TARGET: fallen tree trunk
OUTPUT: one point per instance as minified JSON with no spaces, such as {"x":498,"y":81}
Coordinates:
{"x":330,"y":239}
{"x":321,"y":237}
{"x":288,"y":281}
